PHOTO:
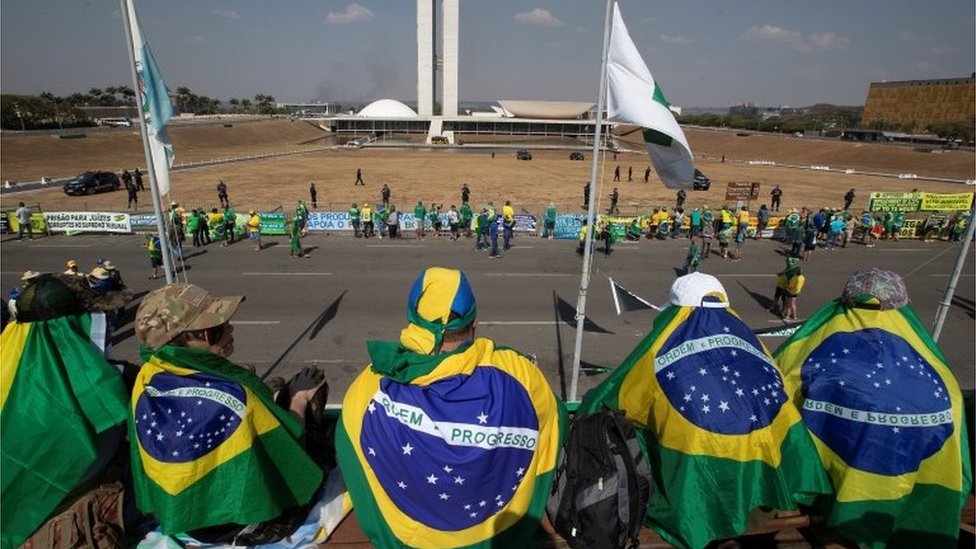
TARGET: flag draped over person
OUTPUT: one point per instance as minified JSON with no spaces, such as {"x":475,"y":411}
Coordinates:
{"x":886,"y":415}
{"x":453,"y":448}
{"x":59,"y":400}
{"x":154,"y":103}
{"x":634,"y":97}
{"x":210,"y":446}
{"x":713,"y":419}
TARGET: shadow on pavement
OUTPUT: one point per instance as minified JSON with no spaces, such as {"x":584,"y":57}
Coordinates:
{"x":312,"y":330}
{"x":762,"y":299}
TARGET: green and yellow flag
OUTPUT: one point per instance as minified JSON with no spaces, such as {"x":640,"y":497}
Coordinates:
{"x":715,"y":423}
{"x":57,"y":395}
{"x":887,"y":418}
{"x":209,"y":446}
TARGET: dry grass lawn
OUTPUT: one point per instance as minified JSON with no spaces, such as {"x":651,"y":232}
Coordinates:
{"x":436,"y":175}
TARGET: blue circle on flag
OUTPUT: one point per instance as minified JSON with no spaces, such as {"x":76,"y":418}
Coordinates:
{"x":451,"y":454}
{"x":182,"y":418}
{"x":875,"y":401}
{"x":716,"y":374}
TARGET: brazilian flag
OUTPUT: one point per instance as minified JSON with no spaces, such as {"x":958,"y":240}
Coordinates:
{"x":209,"y":446}
{"x":715,"y":423}
{"x":887,"y":417}
{"x":456,"y":449}
{"x":58,"y":395}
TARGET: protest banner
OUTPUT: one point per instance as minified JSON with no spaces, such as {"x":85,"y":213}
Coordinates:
{"x":37,"y":223}
{"x":272,"y":223}
{"x":88,"y":222}
{"x":894,"y":202}
{"x":955,"y":202}
{"x":329,"y":221}
{"x":142,"y":223}
{"x":568,"y":226}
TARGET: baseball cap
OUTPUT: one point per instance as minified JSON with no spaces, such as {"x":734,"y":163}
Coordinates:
{"x":29,"y":275}
{"x":698,"y":290}
{"x":875,"y":289}
{"x":108,"y":265}
{"x":51,"y":296}
{"x":72,"y":263}
{"x":99,"y":273}
{"x":177,"y":308}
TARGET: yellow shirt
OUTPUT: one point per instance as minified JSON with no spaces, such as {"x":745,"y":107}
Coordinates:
{"x":254,"y":224}
{"x":215,"y":219}
{"x":367,"y":214}
{"x":744,"y":216}
{"x":508,"y":212}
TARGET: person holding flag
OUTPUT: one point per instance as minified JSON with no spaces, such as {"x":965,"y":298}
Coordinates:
{"x":446,"y":439}
{"x":714,"y":420}
{"x":212,"y":449}
{"x":63,"y":406}
{"x":886,"y":415}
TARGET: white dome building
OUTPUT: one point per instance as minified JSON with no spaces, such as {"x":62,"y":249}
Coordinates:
{"x":387,"y":108}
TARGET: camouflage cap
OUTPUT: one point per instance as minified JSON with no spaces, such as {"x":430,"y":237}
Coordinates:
{"x":875,"y":288}
{"x":49,"y":296}
{"x":177,"y":308}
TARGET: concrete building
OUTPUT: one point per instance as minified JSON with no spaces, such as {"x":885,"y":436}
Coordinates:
{"x":429,"y":63}
{"x":914,"y":104}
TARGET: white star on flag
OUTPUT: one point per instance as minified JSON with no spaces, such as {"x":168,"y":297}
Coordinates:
{"x":724,"y":406}
{"x":371,"y":451}
{"x":402,"y":485}
{"x":407,"y":449}
{"x":483,"y":418}
{"x":444,"y":496}
{"x":432,"y":479}
{"x":705,"y":408}
{"x":447,"y":469}
{"x":459,"y":480}
{"x":371,"y":407}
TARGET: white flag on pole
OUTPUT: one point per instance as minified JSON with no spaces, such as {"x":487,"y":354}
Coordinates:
{"x":154,"y":103}
{"x":633,"y":97}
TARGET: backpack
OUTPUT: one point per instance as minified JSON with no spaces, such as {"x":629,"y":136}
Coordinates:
{"x":599,"y":495}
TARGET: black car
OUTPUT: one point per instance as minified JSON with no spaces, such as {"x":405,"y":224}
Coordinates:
{"x":92,"y":182}
{"x":701,"y":182}
{"x":576,"y":155}
{"x":523,"y":154}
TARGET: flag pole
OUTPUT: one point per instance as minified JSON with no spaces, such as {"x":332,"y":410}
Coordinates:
{"x":150,"y":165}
{"x":950,"y":291}
{"x":591,"y":210}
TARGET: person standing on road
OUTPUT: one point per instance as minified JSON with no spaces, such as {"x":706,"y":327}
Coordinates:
{"x":230,"y":224}
{"x":354,"y":219}
{"x":465,"y":194}
{"x":295,"y":238}
{"x":137,"y":176}
{"x":126,"y":178}
{"x":630,"y":173}
{"x":679,"y":200}
{"x":193,"y":225}
{"x":762,"y":220}
{"x":614,"y":196}
{"x":393,"y":222}
{"x":367,"y":214}
{"x":23,"y":215}
{"x":481,"y":230}
{"x":616,"y":173}
{"x":549,"y":222}
{"x":466,"y":215}
{"x":586,"y":195}
{"x":359,"y":178}
{"x":222,"y":194}
{"x":508,"y":223}
{"x":254,"y":229}
{"x":453,"y":222}
{"x":314,"y":195}
{"x":777,"y":195}
{"x":155,"y":250}
{"x":848,"y":199}
{"x":493,"y":226}
{"x":131,"y":189}
{"x":647,"y":174}
{"x":420,"y":215}
{"x":385,"y":194}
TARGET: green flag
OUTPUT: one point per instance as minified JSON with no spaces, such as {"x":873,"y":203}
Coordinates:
{"x":57,"y":395}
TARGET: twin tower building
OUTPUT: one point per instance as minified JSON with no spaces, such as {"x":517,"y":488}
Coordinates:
{"x":428,"y":61}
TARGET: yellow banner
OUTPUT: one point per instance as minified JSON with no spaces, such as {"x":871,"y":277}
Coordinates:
{"x":956,"y":202}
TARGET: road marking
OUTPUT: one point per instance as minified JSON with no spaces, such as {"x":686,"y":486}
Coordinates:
{"x":947,"y":275}
{"x":61,"y":245}
{"x":531,"y":274}
{"x":286,"y":274}
{"x":902,"y":249}
{"x":254,"y":322}
{"x":395,"y":246}
{"x":519,"y":322}
{"x":742,"y":275}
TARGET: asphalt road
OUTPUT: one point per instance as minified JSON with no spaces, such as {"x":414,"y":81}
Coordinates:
{"x":322,"y":310}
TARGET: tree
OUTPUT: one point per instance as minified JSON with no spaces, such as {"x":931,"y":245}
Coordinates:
{"x":264,"y":102}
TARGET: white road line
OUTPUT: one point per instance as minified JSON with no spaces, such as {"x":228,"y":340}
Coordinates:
{"x":61,"y":245}
{"x":902,"y":249}
{"x":254,"y":322}
{"x":763,"y":275}
{"x":286,"y":274}
{"x":948,"y":275}
{"x":518,"y":323}
{"x":526,"y":275}
{"x":395,"y":246}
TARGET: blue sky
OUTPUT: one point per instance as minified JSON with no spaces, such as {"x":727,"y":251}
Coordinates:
{"x":703,"y":53}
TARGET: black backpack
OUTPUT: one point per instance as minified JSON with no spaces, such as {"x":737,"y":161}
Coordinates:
{"x":602,"y":485}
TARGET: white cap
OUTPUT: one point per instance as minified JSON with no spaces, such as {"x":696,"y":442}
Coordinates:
{"x":698,"y":290}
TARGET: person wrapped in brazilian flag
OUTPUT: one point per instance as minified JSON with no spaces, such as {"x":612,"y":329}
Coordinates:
{"x":886,"y":415}
{"x":713,"y":418}
{"x":446,"y":439}
{"x":214,"y":455}
{"x":62,"y":405}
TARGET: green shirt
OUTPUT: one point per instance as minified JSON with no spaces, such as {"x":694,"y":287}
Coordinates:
{"x":420,"y":212}
{"x":230,"y":217}
{"x":551,"y":213}
{"x":354,"y":214}
{"x":466,"y":214}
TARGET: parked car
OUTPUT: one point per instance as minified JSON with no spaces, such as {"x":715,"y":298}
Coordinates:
{"x":576,"y":155}
{"x":117,"y":122}
{"x":523,"y":154}
{"x":700,"y":182}
{"x":92,"y":182}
